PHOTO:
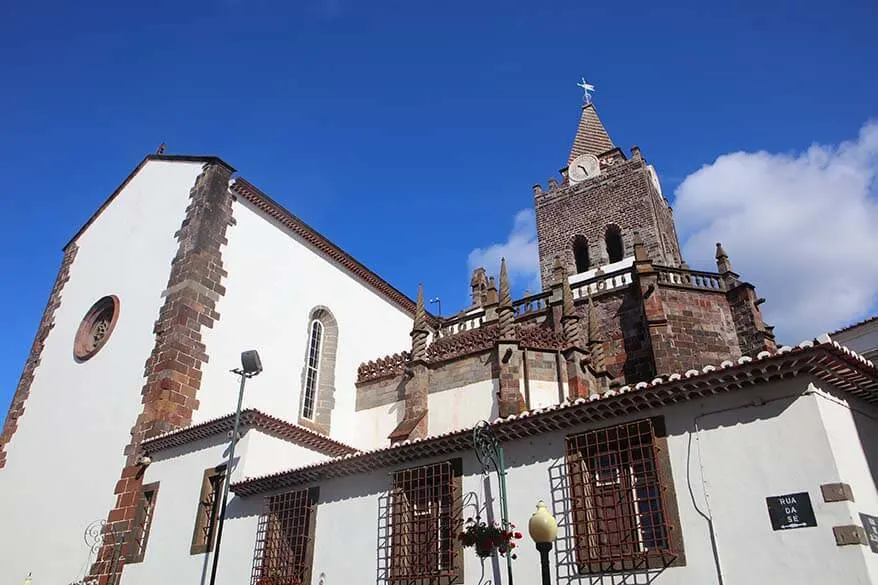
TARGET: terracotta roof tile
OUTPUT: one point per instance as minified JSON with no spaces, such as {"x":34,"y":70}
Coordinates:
{"x":823,"y":358}
{"x":250,"y":418}
{"x":591,"y":136}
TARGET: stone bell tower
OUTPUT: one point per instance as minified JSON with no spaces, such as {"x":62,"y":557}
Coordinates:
{"x":589,"y":217}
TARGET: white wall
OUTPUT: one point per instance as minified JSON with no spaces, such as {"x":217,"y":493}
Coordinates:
{"x":179,"y":472}
{"x":374,"y":425}
{"x":459,"y":408}
{"x":731,"y":452}
{"x":66,"y":455}
{"x":542,"y":393}
{"x":851,"y":427}
{"x":273,"y":283}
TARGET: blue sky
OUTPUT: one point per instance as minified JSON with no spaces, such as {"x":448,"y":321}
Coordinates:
{"x":410,"y":132}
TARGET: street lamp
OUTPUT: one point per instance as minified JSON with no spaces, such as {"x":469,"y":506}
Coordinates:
{"x":543,"y":529}
{"x":251,"y":366}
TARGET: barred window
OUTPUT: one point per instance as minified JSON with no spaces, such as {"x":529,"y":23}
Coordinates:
{"x":425,"y":511}
{"x":143,"y":515}
{"x":284,"y":540}
{"x":620,"y":499}
{"x":312,"y":369}
{"x":208,"y":510}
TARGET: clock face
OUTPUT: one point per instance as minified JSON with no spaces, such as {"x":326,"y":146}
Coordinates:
{"x":583,"y":167}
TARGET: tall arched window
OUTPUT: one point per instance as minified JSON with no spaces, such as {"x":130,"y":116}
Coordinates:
{"x":312,"y":369}
{"x":317,"y":397}
{"x":580,"y":253}
{"x":613,"y":240}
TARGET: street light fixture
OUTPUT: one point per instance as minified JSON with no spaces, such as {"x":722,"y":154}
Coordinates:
{"x":543,"y":529}
{"x":251,"y":366}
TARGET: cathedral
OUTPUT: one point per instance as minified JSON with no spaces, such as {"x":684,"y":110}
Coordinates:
{"x":640,"y":408}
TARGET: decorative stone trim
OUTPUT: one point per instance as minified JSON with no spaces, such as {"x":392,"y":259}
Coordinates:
{"x":849,"y":534}
{"x":825,"y":360}
{"x":96,"y":327}
{"x":47,"y":322}
{"x":173,"y":370}
{"x":384,"y":367}
{"x":324,"y":397}
{"x":837,"y":492}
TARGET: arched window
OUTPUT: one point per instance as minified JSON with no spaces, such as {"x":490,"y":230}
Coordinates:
{"x":312,"y":369}
{"x":613,"y":239}
{"x":318,"y":373}
{"x":580,"y":253}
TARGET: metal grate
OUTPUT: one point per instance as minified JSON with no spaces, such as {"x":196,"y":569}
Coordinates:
{"x":618,"y":513}
{"x":424,"y":520}
{"x":208,"y":510}
{"x":142,"y":523}
{"x":283,"y":540}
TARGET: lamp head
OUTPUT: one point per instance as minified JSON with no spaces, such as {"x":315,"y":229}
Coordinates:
{"x":250,"y":363}
{"x":542,"y":526}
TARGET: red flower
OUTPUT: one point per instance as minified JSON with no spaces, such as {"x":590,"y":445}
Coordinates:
{"x":517,"y":535}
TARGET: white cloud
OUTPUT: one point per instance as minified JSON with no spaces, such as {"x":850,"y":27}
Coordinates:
{"x":801,"y":227}
{"x":520,"y":251}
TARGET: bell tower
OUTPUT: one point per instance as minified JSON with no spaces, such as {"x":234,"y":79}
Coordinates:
{"x":588,"y":219}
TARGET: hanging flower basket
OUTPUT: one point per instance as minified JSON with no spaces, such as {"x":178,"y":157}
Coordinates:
{"x":488,"y":538}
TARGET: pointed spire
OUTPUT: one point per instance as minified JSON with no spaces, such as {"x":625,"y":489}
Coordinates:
{"x":595,"y":339}
{"x":723,"y":264}
{"x":591,"y":136}
{"x":419,"y":329}
{"x":558,"y":270}
{"x":594,"y":326}
{"x":569,"y":319}
{"x":505,"y":312}
{"x":567,"y":307}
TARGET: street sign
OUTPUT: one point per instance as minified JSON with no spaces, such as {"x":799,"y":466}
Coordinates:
{"x":791,"y":511}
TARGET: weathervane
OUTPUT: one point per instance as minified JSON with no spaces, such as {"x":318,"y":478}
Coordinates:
{"x":586,"y":87}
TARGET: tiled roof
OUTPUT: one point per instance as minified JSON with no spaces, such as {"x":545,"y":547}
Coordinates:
{"x":823,"y":358}
{"x":591,"y":136}
{"x":855,"y":325}
{"x":322,"y":244}
{"x":250,"y":418}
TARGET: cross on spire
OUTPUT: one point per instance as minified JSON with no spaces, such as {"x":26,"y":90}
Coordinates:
{"x":586,"y":88}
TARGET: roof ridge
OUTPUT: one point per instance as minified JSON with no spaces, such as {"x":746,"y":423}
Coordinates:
{"x":250,"y":417}
{"x":591,"y":136}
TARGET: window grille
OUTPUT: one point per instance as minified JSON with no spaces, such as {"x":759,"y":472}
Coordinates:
{"x":208,"y":510}
{"x":424,"y":519}
{"x":142,"y":523}
{"x":620,"y":520}
{"x":312,"y":369}
{"x":284,"y":539}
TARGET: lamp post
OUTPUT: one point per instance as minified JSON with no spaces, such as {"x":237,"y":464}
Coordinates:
{"x":251,"y":366}
{"x":543,"y":529}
